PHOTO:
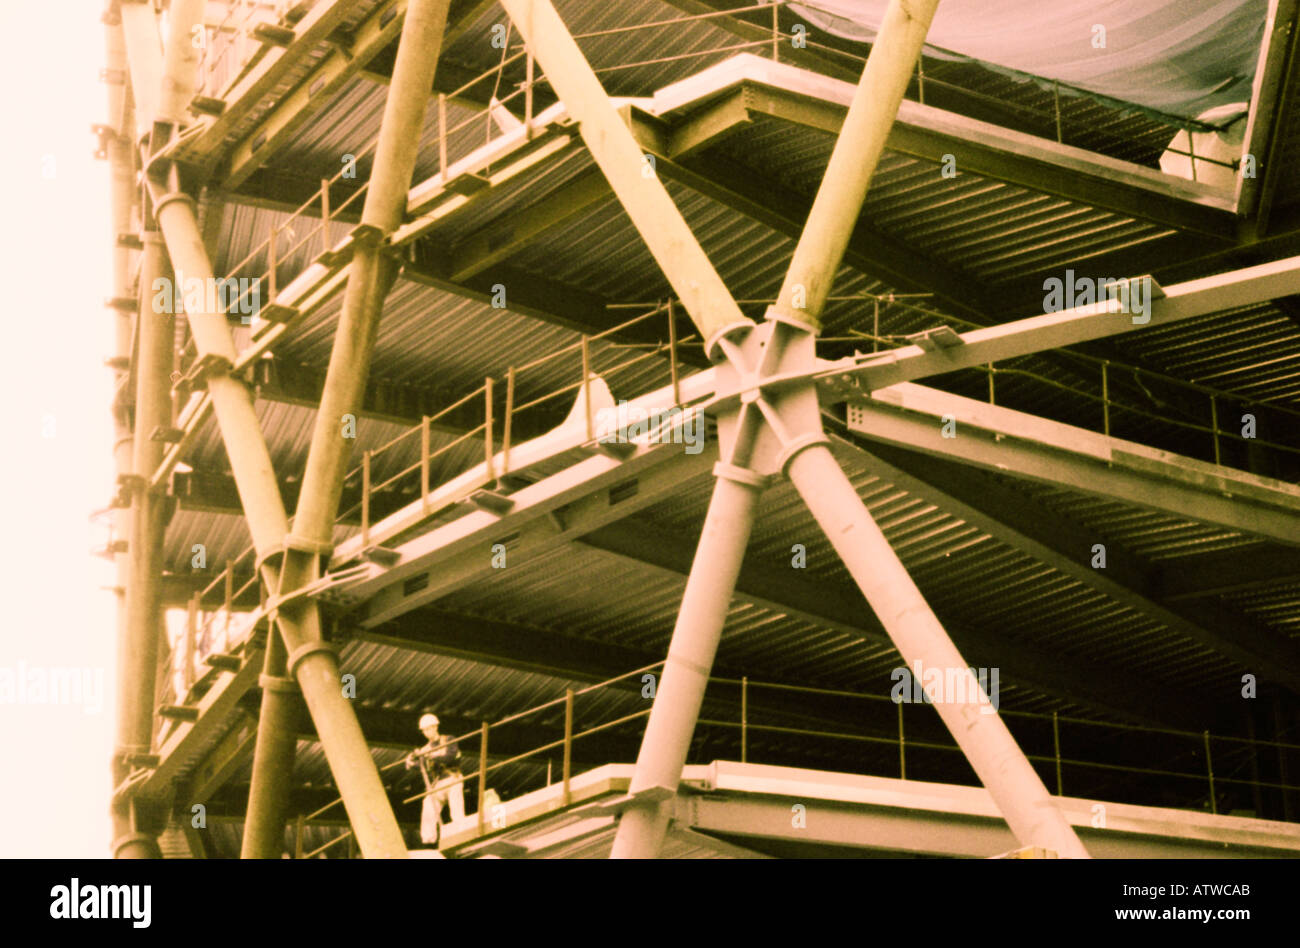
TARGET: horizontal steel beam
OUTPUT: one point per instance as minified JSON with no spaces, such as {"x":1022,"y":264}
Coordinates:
{"x":761,"y":199}
{"x":1101,"y":687}
{"x":189,"y":742}
{"x":1035,"y":448}
{"x":543,"y":517}
{"x":749,"y":803}
{"x":1213,"y":294}
{"x":1052,"y":538}
{"x":926,"y":133}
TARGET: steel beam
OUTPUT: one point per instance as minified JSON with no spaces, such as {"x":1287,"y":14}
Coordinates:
{"x":768,"y":202}
{"x":290,"y":112}
{"x":145,"y":629}
{"x":192,"y":741}
{"x":993,"y":753}
{"x":544,"y":516}
{"x":145,"y":57}
{"x":127,"y":842}
{"x":1101,"y":687}
{"x":250,"y":461}
{"x":694,"y":645}
{"x":1213,"y":294}
{"x":273,"y":754}
{"x":843,"y":517}
{"x":611,"y":144}
{"x":370,"y":275}
{"x":1272,"y":102}
{"x":1023,"y":445}
{"x":1066,"y":546}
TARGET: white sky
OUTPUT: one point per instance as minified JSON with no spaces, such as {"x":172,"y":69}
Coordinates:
{"x":54,"y":259}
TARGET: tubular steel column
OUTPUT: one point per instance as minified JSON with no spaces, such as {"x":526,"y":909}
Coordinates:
{"x":126,"y":842}
{"x":273,"y":754}
{"x":731,"y":511}
{"x":358,"y":780}
{"x":144,"y":612}
{"x":677,"y":700}
{"x":616,"y":152}
{"x":1025,"y":803}
{"x":993,"y":753}
{"x":372,"y":273}
{"x":857,"y":151}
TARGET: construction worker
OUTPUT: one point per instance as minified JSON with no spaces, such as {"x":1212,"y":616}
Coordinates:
{"x":439,"y":763}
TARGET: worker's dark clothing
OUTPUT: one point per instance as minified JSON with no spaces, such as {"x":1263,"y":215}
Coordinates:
{"x":438,"y":760}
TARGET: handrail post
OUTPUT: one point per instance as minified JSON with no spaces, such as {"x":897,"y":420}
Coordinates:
{"x":744,"y":719}
{"x":776,"y":31}
{"x":1056,"y":742}
{"x":1105,"y":397}
{"x":442,"y":136}
{"x":271,"y":265}
{"x":528,"y":97}
{"x":510,"y":408}
{"x":365,"y":498}
{"x":487,"y":427}
{"x":1214,"y":425}
{"x":297,"y":837}
{"x":902,"y":753}
{"x":586,"y":382}
{"x":191,"y":629}
{"x":991,"y":370}
{"x":230,"y":595}
{"x":325,"y":208}
{"x":568,"y":743}
{"x":1209,"y":764}
{"x":424,"y":463}
{"x":672,"y":353}
{"x":482,"y":775}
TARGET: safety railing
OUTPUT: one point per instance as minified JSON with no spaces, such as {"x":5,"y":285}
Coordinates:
{"x":1212,"y":399}
{"x":483,"y":735}
{"x":1106,"y":371}
{"x":1216,"y":769}
{"x":385,"y":468}
{"x":227,"y":46}
{"x":267,"y":256}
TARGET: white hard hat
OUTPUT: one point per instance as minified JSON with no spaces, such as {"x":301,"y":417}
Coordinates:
{"x":428,"y":719}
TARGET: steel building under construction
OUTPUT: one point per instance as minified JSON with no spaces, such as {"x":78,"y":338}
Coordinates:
{"x":770,"y":429}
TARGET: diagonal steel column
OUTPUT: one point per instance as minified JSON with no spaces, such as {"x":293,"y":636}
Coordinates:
{"x":857,"y":151}
{"x":691,"y":651}
{"x":314,"y":665}
{"x":983,"y":737}
{"x":735,"y":496}
{"x":273,"y":754}
{"x":371,"y":275}
{"x":619,"y":158}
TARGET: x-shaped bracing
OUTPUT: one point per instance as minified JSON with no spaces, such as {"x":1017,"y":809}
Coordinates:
{"x":773,"y":429}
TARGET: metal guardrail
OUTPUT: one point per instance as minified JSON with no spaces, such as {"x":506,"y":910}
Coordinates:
{"x":1233,"y":757}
